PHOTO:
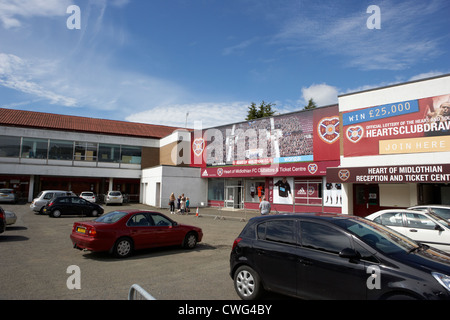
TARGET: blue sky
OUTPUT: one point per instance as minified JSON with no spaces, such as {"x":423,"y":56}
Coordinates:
{"x":154,"y":61}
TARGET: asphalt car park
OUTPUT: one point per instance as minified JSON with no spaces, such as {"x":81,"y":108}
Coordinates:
{"x":39,"y":261}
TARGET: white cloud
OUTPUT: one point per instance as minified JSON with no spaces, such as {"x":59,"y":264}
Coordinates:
{"x":209,"y":114}
{"x":426,"y":75}
{"x":322,"y":94}
{"x":16,"y":73}
{"x":11,"y":11}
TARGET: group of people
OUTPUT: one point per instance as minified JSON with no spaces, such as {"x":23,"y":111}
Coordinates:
{"x":178,"y":205}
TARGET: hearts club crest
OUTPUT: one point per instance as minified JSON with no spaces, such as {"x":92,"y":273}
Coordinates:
{"x":328,"y":129}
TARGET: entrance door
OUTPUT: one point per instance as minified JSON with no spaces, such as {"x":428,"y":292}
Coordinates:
{"x":230,"y":197}
{"x":366,"y":199}
{"x":233,"y":197}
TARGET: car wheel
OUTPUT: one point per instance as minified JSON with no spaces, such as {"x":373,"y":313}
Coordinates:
{"x":190,"y":241}
{"x":55,"y":213}
{"x":247,"y":283}
{"x":123,"y":248}
{"x":94,"y":213}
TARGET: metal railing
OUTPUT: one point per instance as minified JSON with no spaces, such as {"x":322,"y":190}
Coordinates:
{"x":138,"y":293}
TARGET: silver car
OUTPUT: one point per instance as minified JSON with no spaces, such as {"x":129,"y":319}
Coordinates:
{"x":8,"y":195}
{"x":441,"y":210}
{"x":113,"y":197}
{"x":43,"y":197}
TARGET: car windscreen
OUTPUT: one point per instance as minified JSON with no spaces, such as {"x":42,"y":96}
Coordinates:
{"x":439,"y":218}
{"x":378,"y":236}
{"x":111,"y":217}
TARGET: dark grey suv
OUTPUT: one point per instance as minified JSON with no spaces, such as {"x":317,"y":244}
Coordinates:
{"x":324,"y":256}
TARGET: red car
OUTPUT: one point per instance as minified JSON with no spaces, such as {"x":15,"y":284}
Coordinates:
{"x":121,"y":232}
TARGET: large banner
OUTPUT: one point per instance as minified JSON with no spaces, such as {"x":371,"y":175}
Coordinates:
{"x":285,"y":143}
{"x":413,"y":126}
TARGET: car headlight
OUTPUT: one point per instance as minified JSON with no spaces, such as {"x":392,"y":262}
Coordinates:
{"x":443,"y":279}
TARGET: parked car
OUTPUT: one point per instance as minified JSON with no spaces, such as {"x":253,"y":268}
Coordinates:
{"x":122,"y":232}
{"x":441,"y":210}
{"x":11,"y":217}
{"x":89,"y":196}
{"x":2,"y":220}
{"x":72,"y":205}
{"x":113,"y":197}
{"x":8,"y":195}
{"x":326,"y":256}
{"x":43,"y":197}
{"x":421,"y":226}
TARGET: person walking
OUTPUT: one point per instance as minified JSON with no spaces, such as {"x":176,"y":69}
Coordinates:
{"x":172,"y":203}
{"x":264,"y":206}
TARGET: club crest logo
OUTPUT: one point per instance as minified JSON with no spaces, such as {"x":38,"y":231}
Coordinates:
{"x":219,"y":172}
{"x":312,"y":168}
{"x":354,"y":133}
{"x":198,"y":145}
{"x":344,"y":174}
{"x":328,"y":129}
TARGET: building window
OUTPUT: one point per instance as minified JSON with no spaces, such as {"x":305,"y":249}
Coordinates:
{"x":308,"y":192}
{"x":60,"y":150}
{"x":131,"y":155}
{"x":254,"y":190}
{"x":216,"y":189}
{"x":34,"y":148}
{"x":85,"y":151}
{"x":108,"y":152}
{"x":9,"y":146}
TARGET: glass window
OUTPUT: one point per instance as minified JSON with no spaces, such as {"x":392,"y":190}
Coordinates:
{"x":321,"y":237}
{"x":278,"y":231}
{"x":9,"y":146}
{"x":131,"y":154}
{"x":60,"y":150}
{"x":310,"y":192}
{"x":108,"y":152}
{"x":160,"y":220}
{"x":416,"y":220}
{"x":139,"y":220}
{"x":112,"y":217}
{"x":261,"y":231}
{"x":390,"y":219}
{"x":34,"y":148}
{"x":216,"y":189}
{"x":85,"y":151}
{"x":254,"y":189}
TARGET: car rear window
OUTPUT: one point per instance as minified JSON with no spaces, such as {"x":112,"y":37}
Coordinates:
{"x":111,"y":217}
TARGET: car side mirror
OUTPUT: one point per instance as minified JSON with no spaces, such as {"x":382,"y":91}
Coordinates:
{"x":349,"y":253}
{"x":438,"y":228}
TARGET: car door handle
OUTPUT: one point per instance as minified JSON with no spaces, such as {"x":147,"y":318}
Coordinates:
{"x":412,"y":230}
{"x":259,"y":251}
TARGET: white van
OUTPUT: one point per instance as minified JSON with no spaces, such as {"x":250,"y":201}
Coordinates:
{"x":44,"y":196}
